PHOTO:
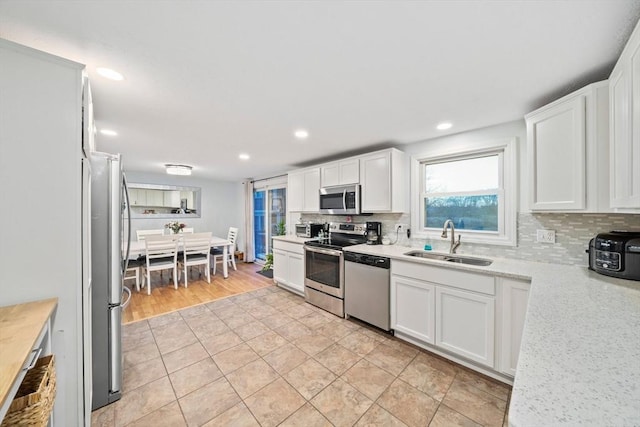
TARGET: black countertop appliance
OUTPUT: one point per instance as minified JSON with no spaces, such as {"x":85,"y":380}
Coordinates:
{"x":374,"y":233}
{"x":616,"y":254}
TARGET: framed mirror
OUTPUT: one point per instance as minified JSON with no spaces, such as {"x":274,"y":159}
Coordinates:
{"x":164,"y":201}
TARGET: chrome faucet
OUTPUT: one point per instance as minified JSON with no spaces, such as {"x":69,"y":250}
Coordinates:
{"x":454,"y":243}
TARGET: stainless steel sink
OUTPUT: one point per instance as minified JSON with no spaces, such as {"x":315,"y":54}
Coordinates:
{"x":450,"y":258}
{"x":469,"y":260}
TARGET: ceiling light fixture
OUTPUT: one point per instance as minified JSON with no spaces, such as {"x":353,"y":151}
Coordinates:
{"x":301,"y":134}
{"x":110,"y":74}
{"x":444,"y":126}
{"x":178,"y":169}
{"x":243,"y":156}
{"x":108,"y":132}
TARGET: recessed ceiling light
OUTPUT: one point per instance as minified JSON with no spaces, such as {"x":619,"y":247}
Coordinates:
{"x":301,"y":134}
{"x":109,"y":74}
{"x":108,"y":132}
{"x":444,"y":126}
{"x":178,"y":169}
{"x":243,"y":156}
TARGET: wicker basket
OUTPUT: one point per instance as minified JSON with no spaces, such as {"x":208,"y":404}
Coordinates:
{"x":34,"y":399}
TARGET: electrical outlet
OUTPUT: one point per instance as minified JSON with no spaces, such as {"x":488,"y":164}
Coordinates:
{"x":402,"y":227}
{"x":546,"y":236}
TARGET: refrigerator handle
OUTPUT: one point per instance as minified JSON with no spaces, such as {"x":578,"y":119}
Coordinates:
{"x":126,"y":195}
{"x":126,"y":302}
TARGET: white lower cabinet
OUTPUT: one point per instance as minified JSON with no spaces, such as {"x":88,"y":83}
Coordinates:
{"x":474,"y":319}
{"x":465,"y":324}
{"x":288,"y":265}
{"x":413,"y":308}
{"x":515,"y":296}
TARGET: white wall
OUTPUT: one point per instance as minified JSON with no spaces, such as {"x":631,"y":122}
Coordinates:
{"x":222,"y":204}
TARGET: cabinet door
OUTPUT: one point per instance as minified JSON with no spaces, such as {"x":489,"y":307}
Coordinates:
{"x":349,"y":171}
{"x":133,"y":197}
{"x":295,"y":191}
{"x":155,"y":198}
{"x":311,"y":190}
{"x":556,"y":144}
{"x":624,"y":103}
{"x":171,"y":199}
{"x":515,"y":295}
{"x":465,"y":324}
{"x":140,"y":197}
{"x":296,"y":272}
{"x":412,"y":308}
{"x":330,"y":175}
{"x":280,"y":267}
{"x":375,"y":179}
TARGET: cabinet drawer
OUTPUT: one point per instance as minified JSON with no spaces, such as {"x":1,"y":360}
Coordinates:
{"x":445,"y":276}
{"x":288,"y":246}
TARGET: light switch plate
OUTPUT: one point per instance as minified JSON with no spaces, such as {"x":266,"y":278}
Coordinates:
{"x":546,"y":236}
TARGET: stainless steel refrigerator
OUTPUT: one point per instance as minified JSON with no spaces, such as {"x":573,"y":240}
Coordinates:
{"x":110,"y":238}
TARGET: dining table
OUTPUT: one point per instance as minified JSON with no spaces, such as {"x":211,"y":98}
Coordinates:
{"x":137,"y":248}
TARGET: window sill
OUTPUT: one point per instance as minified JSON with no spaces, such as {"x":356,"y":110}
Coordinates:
{"x":468,"y":238}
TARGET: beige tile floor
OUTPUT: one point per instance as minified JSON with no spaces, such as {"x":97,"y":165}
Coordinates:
{"x":267,"y":358}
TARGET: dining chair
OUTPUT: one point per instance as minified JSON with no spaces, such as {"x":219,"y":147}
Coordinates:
{"x":134,"y":266}
{"x":141,"y":234}
{"x":195,"y":252}
{"x":161,"y":253}
{"x":218,"y":255}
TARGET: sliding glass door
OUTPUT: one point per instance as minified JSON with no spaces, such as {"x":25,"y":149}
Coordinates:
{"x":269,"y":217}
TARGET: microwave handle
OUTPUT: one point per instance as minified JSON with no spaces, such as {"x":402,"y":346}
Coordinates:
{"x":344,"y":199}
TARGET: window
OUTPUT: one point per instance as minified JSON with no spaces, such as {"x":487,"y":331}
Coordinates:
{"x":473,"y":188}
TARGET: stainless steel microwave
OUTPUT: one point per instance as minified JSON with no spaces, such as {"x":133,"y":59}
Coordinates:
{"x":340,"y":200}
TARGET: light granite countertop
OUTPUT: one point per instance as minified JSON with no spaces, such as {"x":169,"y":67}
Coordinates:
{"x":579,"y":360}
{"x":292,"y":239}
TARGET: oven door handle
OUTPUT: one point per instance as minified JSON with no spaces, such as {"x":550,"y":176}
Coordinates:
{"x":332,"y":252}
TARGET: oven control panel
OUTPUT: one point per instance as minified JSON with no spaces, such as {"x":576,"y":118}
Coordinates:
{"x":347,"y":227}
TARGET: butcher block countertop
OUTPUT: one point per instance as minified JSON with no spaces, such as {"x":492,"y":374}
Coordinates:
{"x":20,"y":327}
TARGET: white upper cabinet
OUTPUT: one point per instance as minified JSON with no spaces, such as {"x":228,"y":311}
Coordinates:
{"x":383,"y":182}
{"x":303,"y":190}
{"x":171,"y":199}
{"x":155,"y":198}
{"x":624,"y":96}
{"x":137,"y":197}
{"x":340,"y":173}
{"x":567,"y":143}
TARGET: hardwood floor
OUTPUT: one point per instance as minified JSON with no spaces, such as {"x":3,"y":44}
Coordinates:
{"x":165,"y":298}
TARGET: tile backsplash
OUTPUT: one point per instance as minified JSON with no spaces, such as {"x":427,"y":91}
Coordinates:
{"x":573,"y":232}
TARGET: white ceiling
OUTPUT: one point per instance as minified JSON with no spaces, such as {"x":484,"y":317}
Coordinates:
{"x":207,"y":80}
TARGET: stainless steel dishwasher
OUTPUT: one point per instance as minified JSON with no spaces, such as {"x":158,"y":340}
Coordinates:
{"x":366,"y":288}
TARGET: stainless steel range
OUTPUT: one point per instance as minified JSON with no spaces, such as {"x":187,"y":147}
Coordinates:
{"x":324,"y":266}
